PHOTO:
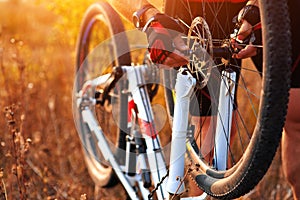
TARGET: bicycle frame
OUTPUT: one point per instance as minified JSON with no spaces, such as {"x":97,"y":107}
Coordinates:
{"x":154,"y":155}
{"x":138,"y":90}
{"x":154,"y":159}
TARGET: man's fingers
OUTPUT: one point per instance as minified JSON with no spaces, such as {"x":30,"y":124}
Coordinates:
{"x":247,"y":52}
{"x":180,"y":44}
{"x":177,"y":55}
{"x":174,"y":63}
{"x":176,"y":59}
{"x":237,"y":46}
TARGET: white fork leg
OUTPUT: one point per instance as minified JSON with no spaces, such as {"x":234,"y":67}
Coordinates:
{"x":183,"y":88}
{"x":224,"y":119}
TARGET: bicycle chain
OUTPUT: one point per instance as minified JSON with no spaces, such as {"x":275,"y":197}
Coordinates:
{"x":157,"y":186}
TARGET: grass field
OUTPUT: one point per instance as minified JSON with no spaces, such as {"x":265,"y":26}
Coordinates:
{"x":40,"y":153}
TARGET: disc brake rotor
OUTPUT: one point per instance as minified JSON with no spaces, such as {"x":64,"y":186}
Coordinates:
{"x":199,"y":41}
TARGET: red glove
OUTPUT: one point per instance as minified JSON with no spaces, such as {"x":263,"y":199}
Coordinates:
{"x":161,"y":32}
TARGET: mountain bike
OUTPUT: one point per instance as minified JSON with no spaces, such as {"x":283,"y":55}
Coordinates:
{"x":114,"y":108}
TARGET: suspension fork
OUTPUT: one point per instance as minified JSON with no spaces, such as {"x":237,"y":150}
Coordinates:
{"x":224,"y":119}
{"x":183,"y":88}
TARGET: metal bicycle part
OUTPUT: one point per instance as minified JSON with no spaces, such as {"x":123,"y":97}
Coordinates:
{"x":199,"y":40}
{"x":100,"y":47}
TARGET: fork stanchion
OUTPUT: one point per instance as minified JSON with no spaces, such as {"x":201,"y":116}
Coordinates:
{"x":184,"y":88}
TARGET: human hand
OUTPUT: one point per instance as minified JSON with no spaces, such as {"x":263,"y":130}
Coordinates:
{"x":165,"y":42}
{"x":250,"y":29}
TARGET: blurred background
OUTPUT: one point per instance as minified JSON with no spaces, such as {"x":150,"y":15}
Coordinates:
{"x":40,"y":152}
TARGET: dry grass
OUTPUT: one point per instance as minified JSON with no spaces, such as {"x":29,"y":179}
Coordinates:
{"x":40,"y":154}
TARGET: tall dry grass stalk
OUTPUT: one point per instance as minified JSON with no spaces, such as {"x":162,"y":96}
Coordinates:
{"x":18,"y":148}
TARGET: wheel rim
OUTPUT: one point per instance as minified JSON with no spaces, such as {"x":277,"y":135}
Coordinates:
{"x":100,"y":47}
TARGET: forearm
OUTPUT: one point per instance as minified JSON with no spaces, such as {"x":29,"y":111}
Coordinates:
{"x":127,"y":7}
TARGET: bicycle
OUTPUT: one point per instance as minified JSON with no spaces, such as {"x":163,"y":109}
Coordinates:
{"x":115,"y":122}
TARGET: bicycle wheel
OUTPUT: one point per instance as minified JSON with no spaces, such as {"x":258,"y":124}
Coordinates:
{"x":258,"y":111}
{"x":101,"y":45}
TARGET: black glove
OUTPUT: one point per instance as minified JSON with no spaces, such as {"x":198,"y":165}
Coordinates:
{"x":251,"y":14}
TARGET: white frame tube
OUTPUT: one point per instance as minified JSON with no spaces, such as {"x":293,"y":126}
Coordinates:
{"x":155,"y":156}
